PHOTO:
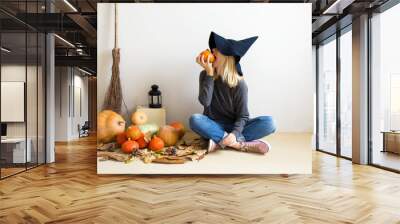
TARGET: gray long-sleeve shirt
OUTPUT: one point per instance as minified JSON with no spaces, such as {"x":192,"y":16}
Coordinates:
{"x":222,"y":103}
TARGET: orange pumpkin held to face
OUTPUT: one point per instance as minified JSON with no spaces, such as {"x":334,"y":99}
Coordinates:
{"x":156,"y":144}
{"x":207,"y":53}
{"x":133,"y":132}
{"x":129,"y":146}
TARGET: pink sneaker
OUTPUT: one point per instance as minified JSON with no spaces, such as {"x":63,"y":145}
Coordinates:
{"x":212,"y":146}
{"x":256,"y":146}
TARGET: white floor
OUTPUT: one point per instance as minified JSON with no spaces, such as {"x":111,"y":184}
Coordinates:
{"x":290,"y":154}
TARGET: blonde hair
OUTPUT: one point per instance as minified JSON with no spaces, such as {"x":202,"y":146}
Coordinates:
{"x":228,"y":71}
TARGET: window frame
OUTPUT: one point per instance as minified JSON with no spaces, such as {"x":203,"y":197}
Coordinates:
{"x":334,"y":37}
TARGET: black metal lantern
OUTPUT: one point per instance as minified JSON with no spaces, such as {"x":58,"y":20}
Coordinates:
{"x":155,"y":99}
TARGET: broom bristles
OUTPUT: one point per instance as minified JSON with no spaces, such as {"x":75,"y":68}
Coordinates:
{"x":113,"y":97}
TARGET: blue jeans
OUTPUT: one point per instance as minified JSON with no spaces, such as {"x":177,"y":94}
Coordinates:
{"x":255,"y":128}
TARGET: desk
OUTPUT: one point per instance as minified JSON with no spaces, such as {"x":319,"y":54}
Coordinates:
{"x":15,"y":148}
{"x":391,"y":141}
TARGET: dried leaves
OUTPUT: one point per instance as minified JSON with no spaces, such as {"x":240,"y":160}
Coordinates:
{"x":114,"y":156}
{"x":190,"y":148}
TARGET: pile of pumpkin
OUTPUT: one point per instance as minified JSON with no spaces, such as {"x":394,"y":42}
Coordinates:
{"x":139,"y":135}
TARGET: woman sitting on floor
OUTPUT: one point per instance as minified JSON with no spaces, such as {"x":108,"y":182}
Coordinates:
{"x":223,"y":94}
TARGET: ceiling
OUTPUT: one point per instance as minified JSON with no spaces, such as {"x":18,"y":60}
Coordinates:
{"x":75,"y":22}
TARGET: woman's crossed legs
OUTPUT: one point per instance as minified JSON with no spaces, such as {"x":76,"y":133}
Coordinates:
{"x":254,"y":129}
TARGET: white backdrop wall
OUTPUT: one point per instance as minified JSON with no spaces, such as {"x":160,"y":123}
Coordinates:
{"x":159,"y":43}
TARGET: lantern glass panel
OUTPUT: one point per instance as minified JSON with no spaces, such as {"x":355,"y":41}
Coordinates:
{"x":155,"y":100}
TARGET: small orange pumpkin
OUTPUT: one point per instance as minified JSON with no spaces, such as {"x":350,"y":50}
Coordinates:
{"x":156,"y":144}
{"x":169,"y":135}
{"x":179,"y":127}
{"x":121,"y":138}
{"x":142,"y":142}
{"x":129,"y":146}
{"x":133,"y":132}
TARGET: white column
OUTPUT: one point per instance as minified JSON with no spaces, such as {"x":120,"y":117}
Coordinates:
{"x":50,"y":99}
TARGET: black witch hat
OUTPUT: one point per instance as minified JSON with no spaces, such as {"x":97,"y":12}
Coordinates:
{"x":229,"y":47}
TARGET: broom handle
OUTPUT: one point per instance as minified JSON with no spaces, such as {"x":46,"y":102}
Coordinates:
{"x":116,"y":26}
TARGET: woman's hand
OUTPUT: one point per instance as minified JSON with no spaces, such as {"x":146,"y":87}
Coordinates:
{"x":229,"y":140}
{"x":207,"y":65}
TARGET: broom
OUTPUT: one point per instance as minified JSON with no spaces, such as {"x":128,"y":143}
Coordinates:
{"x":113,"y":98}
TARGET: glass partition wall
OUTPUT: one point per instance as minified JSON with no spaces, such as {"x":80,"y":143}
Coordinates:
{"x":22,"y":87}
{"x":385,"y":89}
{"x":327,"y":95}
{"x":346,"y":95}
{"x":334,"y":88}
{"x":334,"y":110}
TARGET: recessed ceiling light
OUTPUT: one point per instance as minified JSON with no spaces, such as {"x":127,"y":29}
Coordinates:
{"x":64,"y":40}
{"x":338,"y":6}
{"x":5,"y":50}
{"x":70,"y":5}
{"x":84,"y":71}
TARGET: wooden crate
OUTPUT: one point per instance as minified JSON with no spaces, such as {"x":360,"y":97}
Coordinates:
{"x":155,"y":115}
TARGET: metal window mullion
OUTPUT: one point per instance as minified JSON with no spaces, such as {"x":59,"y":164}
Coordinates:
{"x":338,"y":98}
{"x":317,"y":96}
{"x":45,"y":93}
{"x":369,"y":90}
{"x":60,"y":90}
{"x":37,"y":91}
{"x":69,"y":92}
{"x":26,"y":87}
{"x":73,"y":92}
{"x":0,"y":97}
